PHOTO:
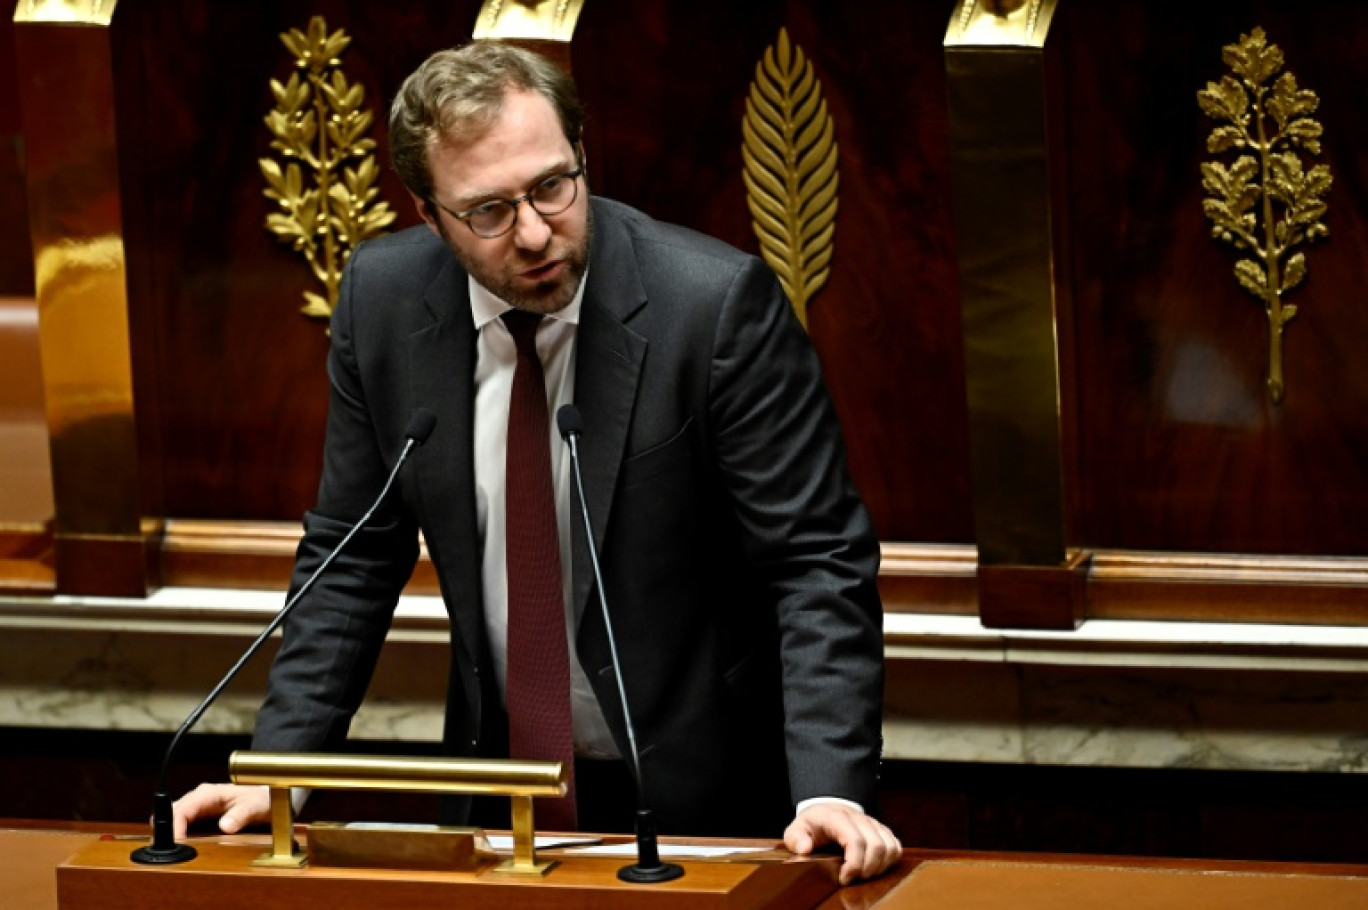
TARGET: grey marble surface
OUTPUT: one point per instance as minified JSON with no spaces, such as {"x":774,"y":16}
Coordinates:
{"x":1125,"y":695}
{"x":1155,"y":717}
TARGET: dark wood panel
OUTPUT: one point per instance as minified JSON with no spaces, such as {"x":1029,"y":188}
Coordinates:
{"x":16,"y":251}
{"x":1174,"y":812}
{"x":1180,"y":446}
{"x":666,"y":86}
{"x":237,"y":389}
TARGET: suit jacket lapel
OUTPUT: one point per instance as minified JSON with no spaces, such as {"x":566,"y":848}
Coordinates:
{"x":608,"y":363}
{"x":442,"y":378}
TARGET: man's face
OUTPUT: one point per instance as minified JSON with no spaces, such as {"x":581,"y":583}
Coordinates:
{"x":538,"y":264}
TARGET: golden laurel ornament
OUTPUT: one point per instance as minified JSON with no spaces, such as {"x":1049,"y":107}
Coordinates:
{"x":318,"y":124}
{"x":1266,"y":202}
{"x":791,"y":171}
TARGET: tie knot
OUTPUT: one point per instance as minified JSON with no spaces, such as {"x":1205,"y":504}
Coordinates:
{"x":522,"y":325}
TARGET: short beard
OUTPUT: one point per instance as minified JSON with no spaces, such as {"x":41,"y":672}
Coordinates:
{"x":577,"y":258}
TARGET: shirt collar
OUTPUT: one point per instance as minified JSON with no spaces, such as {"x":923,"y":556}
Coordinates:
{"x":486,"y":306}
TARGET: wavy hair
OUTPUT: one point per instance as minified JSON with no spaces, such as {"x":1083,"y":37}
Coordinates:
{"x":458,"y":93}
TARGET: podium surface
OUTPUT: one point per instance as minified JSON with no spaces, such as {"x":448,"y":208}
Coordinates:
{"x":966,"y":884}
{"x":33,"y":861}
{"x":102,"y":877}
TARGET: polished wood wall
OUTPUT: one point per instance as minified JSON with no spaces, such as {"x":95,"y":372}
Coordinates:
{"x":666,"y":86}
{"x":1171,"y":444}
{"x":241,"y":391}
{"x":1179,"y":444}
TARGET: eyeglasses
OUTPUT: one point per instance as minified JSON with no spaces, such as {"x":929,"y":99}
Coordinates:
{"x":496,"y":217}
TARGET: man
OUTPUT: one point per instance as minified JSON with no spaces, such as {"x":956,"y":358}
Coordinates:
{"x":738,"y":561}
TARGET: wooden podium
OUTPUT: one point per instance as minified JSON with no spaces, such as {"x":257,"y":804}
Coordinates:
{"x":92,"y":870}
{"x":102,"y":877}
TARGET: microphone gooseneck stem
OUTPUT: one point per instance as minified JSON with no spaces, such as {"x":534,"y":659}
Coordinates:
{"x":648,"y":869}
{"x":572,"y":439}
{"x":164,"y":849}
{"x":278,"y":619}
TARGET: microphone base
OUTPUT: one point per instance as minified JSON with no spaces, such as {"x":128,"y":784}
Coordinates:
{"x":163,"y":849}
{"x":648,"y":869}
{"x":164,"y":856}
{"x":650,"y":875}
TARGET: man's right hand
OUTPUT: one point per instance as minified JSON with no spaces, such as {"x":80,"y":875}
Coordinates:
{"x":236,"y":805}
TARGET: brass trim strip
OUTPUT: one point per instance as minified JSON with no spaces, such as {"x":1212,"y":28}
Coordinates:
{"x":70,"y":12}
{"x":66,"y":93}
{"x":1007,"y":266}
{"x":531,"y":21}
{"x":1000,"y":23}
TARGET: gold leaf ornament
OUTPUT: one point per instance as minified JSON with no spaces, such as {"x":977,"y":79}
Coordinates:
{"x":1267,"y":201}
{"x":318,"y":125}
{"x":791,"y":174}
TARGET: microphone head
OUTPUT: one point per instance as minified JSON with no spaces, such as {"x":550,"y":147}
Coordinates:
{"x":420,"y":426}
{"x":569,"y":421}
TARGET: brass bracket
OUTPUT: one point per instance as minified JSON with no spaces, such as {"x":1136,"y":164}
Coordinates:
{"x":284,"y":852}
{"x":524,"y":861}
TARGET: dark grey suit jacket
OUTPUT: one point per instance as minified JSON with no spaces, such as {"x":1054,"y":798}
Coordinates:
{"x":738,"y":559}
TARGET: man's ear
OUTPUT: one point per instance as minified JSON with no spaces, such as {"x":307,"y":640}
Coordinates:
{"x":426,"y":211}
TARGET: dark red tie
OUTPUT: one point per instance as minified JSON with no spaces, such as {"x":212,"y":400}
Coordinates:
{"x":538,"y":656}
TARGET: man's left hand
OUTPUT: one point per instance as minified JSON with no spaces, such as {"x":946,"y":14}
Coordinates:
{"x":870,"y":847}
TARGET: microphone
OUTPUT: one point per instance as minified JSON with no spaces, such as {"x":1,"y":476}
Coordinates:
{"x":648,"y":869}
{"x":164,"y":850}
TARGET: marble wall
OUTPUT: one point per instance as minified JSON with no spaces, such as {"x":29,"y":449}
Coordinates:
{"x":1137,"y":695}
